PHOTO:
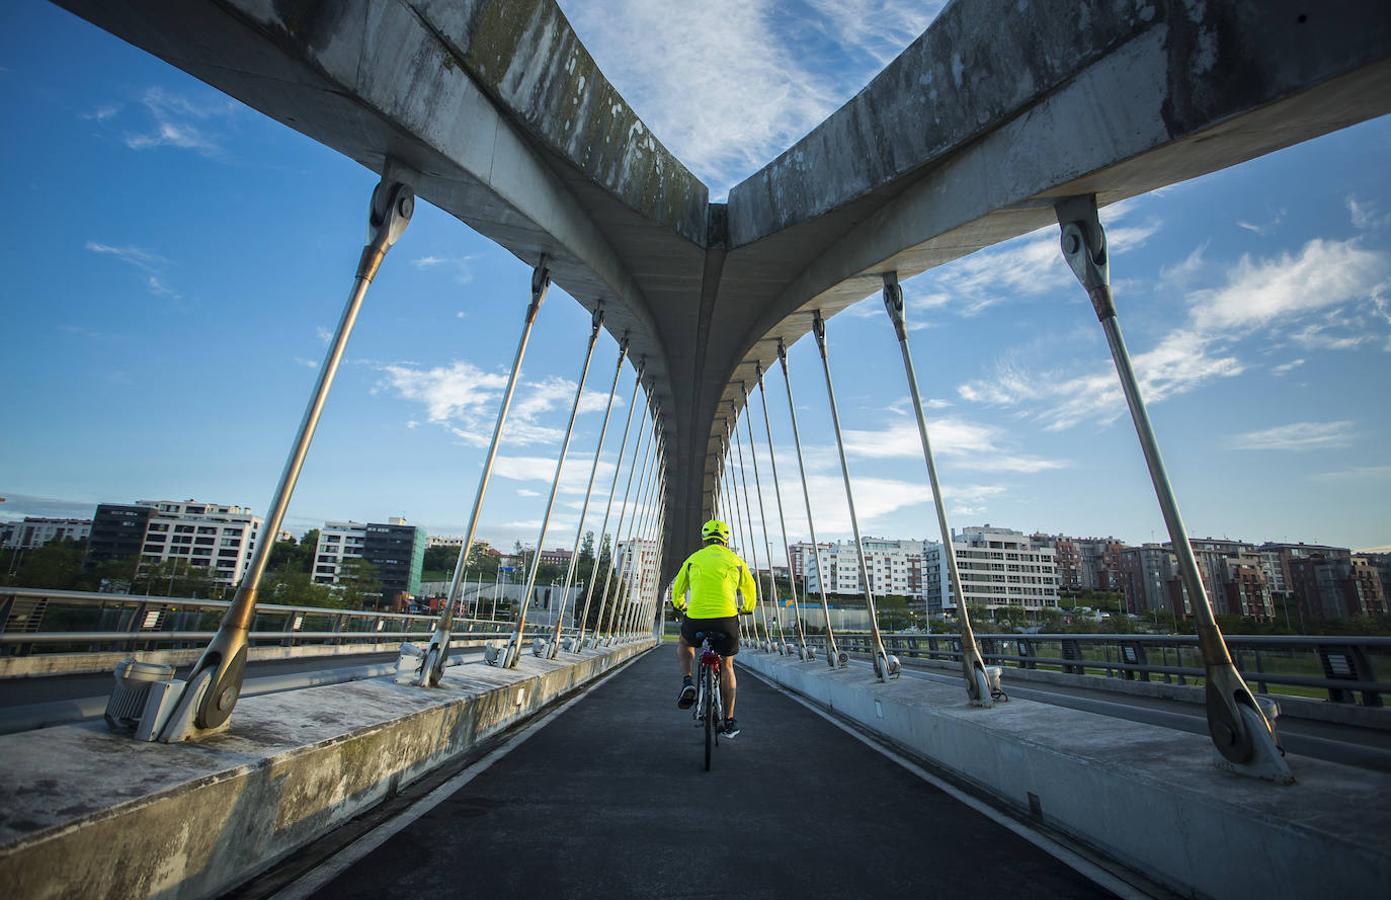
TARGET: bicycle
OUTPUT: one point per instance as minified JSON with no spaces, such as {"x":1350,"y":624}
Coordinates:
{"x":709,"y":705}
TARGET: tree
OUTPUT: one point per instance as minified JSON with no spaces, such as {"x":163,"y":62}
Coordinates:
{"x":294,"y":555}
{"x":291,"y":588}
{"x":441,"y":559}
{"x":359,"y":583}
{"x":56,"y":565}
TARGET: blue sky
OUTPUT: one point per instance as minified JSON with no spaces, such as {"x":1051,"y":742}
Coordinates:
{"x":174,"y":259}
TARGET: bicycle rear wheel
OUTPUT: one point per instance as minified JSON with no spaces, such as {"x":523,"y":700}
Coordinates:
{"x":709,"y":715}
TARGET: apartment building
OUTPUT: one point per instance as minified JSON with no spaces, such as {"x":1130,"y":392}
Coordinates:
{"x":395,"y":549}
{"x":895,"y":567}
{"x":1000,"y":568}
{"x":36,"y":531}
{"x":1084,"y":563}
{"x":214,"y":536}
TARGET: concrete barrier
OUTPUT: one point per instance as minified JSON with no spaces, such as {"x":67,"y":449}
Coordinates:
{"x":1150,"y":798}
{"x":40,"y":665}
{"x":84,"y":812}
{"x":1291,"y":707}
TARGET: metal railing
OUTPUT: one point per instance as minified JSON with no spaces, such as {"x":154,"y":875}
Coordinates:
{"x":45,"y":621}
{"x":1336,"y":666}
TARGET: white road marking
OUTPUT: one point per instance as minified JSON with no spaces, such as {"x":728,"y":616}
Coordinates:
{"x":1062,"y":854}
{"x":311,"y":881}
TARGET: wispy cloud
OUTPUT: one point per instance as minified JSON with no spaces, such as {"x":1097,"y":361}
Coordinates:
{"x":1356,"y":473}
{"x":147,"y":261}
{"x":104,"y":112}
{"x":1286,"y":368}
{"x":139,"y":257}
{"x":460,"y":266}
{"x":1297,"y":436}
{"x":182,"y":121}
{"x":1263,"y":228}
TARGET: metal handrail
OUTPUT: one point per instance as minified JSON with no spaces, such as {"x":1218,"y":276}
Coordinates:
{"x":1361,"y":679}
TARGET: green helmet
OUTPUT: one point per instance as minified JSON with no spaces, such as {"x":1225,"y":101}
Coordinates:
{"x":715,"y":530}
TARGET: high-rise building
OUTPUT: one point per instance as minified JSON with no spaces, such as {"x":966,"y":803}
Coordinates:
{"x":1333,"y":585}
{"x":1146,"y":574}
{"x":895,"y":567}
{"x":36,"y":531}
{"x":338,"y":542}
{"x":1084,"y":563}
{"x":1000,"y":568}
{"x":118,"y":533}
{"x":395,"y":549}
{"x":213,"y":536}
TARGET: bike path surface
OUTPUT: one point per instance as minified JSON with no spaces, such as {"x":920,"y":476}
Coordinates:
{"x":610,"y":800}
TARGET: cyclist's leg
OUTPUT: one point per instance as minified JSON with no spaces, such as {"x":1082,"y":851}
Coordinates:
{"x":685,"y":653}
{"x":727,"y":686}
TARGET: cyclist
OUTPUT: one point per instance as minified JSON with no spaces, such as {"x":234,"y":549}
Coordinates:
{"x":712,"y":587}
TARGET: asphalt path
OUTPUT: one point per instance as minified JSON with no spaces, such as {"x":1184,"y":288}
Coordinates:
{"x":610,"y":799}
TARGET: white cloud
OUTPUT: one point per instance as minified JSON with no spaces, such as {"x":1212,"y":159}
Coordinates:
{"x":307,"y":363}
{"x":1297,"y":436}
{"x":527,"y":492}
{"x":969,"y":444}
{"x":1257,"y":292}
{"x":464,"y":399}
{"x":323,"y":334}
{"x":1364,"y":214}
{"x":1277,"y":295}
{"x":1286,"y":368}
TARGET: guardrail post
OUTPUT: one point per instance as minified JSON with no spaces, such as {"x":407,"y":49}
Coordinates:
{"x":1347,"y":662}
{"x":1072,"y":650}
{"x":1240,"y":726}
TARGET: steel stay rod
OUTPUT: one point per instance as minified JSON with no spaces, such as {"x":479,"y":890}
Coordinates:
{"x":973,"y":667}
{"x":881,"y":655}
{"x":224,"y":659}
{"x":597,"y":323}
{"x":608,"y":507}
{"x":832,"y":651}
{"x":782,"y":519}
{"x":748,"y":517}
{"x":763,"y":517}
{"x":432,"y":667}
{"x":635,"y":527}
{"x":570,"y":569}
{"x":1238,"y":725}
{"x":644,"y":441}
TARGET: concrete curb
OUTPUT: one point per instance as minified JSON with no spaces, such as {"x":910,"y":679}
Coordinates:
{"x":1290,"y":706}
{"x":84,"y":812}
{"x":1149,"y":798}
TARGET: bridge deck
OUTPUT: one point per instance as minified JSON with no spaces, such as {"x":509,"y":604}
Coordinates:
{"x":609,"y":799}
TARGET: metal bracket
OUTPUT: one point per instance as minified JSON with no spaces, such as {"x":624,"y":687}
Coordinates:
{"x":893,"y":303}
{"x":818,"y":328}
{"x":1084,"y":247}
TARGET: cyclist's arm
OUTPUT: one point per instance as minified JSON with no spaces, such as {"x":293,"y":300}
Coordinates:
{"x":680,"y":587}
{"x":748,"y":587}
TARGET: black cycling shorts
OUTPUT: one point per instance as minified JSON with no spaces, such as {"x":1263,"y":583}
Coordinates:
{"x":723,"y":633}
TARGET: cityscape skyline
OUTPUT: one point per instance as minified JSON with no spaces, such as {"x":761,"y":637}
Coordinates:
{"x":188,"y":333}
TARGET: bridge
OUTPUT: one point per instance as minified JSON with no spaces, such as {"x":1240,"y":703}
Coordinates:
{"x":543,"y":758}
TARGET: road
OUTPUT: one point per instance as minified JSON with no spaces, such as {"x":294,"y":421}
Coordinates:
{"x":610,"y":799}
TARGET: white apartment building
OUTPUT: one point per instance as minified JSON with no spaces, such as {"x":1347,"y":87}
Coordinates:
{"x":644,"y":573}
{"x":895,"y":567}
{"x":36,"y":531}
{"x":338,"y":542}
{"x":999,"y":568}
{"x":444,"y":540}
{"x":217,"y":537}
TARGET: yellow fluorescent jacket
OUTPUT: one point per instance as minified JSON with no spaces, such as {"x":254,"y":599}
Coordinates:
{"x":714,"y":583}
